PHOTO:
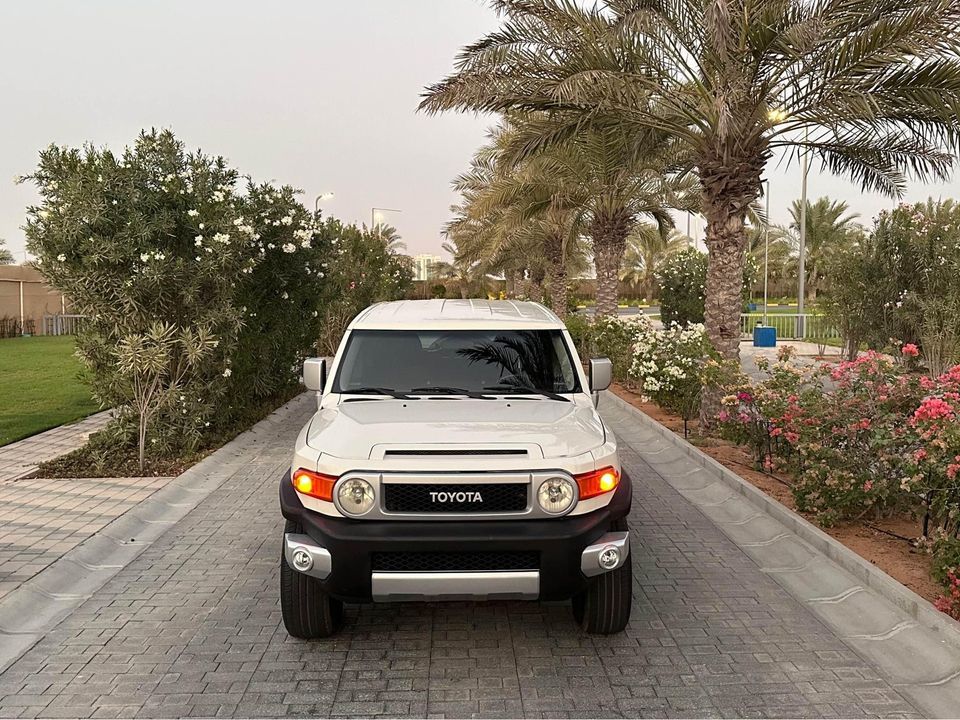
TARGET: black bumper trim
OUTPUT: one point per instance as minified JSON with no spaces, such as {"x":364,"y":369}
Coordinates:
{"x":352,"y":543}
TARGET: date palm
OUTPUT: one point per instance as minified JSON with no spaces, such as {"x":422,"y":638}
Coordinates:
{"x":831,"y":228}
{"x":467,"y":273}
{"x":647,"y":247}
{"x":870,"y":89}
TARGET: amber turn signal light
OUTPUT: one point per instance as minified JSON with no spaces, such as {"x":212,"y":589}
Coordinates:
{"x":314,"y":484}
{"x":597,"y":482}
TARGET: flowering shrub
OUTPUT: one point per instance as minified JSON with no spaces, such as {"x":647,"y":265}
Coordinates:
{"x":362,"y":271}
{"x":671,"y":366}
{"x":682,"y":278}
{"x":950,"y":602}
{"x":614,"y":337}
{"x":200,"y":299}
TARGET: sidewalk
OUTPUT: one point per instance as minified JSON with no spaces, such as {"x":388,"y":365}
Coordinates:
{"x":41,"y":519}
{"x":22,"y":457}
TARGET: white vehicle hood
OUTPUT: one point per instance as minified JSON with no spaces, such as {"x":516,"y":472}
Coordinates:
{"x":362,"y":429}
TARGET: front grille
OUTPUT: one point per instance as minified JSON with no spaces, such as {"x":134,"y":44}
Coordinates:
{"x":455,"y":498}
{"x":455,"y":561}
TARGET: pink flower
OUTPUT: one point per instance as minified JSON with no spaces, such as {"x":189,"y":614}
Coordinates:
{"x":932,"y":409}
{"x":919,"y":454}
{"x":910,"y":350}
{"x":792,"y":437}
{"x":723,"y":416}
{"x":776,"y":432}
{"x":868,"y":486}
{"x":744,"y":396}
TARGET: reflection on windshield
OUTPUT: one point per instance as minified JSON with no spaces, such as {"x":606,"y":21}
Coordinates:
{"x":473,"y":361}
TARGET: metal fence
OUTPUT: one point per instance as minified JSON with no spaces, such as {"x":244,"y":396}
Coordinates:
{"x":62,"y":324}
{"x":791,"y":326}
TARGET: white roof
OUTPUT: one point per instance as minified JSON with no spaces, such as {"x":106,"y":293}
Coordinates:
{"x":456,"y":314}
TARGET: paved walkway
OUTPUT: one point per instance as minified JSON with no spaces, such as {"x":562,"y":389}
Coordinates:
{"x":22,"y":457}
{"x":40,"y":519}
{"x":192,"y":627}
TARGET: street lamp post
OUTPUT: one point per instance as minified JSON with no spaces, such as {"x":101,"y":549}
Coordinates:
{"x":766,"y":256}
{"x":373,"y":214}
{"x":801,"y":265}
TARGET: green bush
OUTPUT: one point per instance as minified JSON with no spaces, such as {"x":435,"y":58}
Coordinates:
{"x":614,"y":337}
{"x":581,"y":332}
{"x":682,"y":278}
{"x":199,"y":299}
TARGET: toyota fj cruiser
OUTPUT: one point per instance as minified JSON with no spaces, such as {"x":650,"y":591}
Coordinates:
{"x":456,"y":454}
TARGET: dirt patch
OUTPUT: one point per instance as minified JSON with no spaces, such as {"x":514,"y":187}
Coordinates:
{"x":880,"y":542}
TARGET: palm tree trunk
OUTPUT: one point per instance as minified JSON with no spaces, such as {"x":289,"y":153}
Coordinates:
{"x":556,"y":274}
{"x":726,"y":241}
{"x":609,"y":235}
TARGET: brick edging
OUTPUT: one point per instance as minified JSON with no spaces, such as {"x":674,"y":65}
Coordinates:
{"x":866,"y":572}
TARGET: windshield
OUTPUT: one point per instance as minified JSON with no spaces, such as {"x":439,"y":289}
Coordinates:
{"x":448,"y":361}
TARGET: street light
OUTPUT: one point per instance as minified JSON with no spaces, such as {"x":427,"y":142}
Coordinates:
{"x":766,"y":256}
{"x":776,"y":115}
{"x":321,"y":196}
{"x":375,"y":210}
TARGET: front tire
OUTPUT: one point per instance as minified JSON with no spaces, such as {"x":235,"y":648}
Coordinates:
{"x":308,"y":612}
{"x":604,"y":607}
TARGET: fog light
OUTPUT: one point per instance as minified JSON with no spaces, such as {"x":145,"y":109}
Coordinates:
{"x":302,"y":560}
{"x":355,"y":496}
{"x":556,"y":495}
{"x":609,"y":558}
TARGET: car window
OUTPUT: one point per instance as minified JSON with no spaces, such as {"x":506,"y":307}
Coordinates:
{"x":473,"y":360}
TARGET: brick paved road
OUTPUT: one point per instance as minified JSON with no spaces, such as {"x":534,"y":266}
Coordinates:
{"x":192,"y":627}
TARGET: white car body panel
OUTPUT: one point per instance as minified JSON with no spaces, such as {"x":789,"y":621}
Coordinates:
{"x":348,"y":435}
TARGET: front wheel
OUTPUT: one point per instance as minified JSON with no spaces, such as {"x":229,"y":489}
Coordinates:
{"x":604,"y":607}
{"x":308,"y":612}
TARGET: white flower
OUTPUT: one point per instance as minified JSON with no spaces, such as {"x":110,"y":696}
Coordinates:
{"x":315,"y":313}
{"x":61,"y":257}
{"x":113,"y":202}
{"x":286,"y":220}
{"x":286,"y":296}
{"x":218,"y":196}
{"x":198,"y":240}
{"x":222,"y":238}
{"x":200,"y":226}
{"x":197,"y":258}
{"x":228,"y":372}
{"x":144,"y":257}
{"x":192,"y":213}
{"x":289,"y":248}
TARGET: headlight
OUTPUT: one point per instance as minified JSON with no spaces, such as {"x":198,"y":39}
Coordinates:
{"x":556,"y":495}
{"x":355,"y":496}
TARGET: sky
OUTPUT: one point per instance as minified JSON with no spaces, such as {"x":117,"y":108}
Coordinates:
{"x":317,"y":94}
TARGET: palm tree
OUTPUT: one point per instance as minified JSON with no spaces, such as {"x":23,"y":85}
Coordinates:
{"x":610,"y":179}
{"x":513,"y":211}
{"x":390,"y":237}
{"x":870,"y":89}
{"x":647,"y":247}
{"x":466,"y":272}
{"x":6,"y":257}
{"x":831,"y":228}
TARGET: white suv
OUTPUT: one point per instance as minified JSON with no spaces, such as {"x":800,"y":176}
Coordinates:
{"x":456,"y":454}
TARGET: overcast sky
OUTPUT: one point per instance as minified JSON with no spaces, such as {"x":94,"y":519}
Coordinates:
{"x":319,"y":94}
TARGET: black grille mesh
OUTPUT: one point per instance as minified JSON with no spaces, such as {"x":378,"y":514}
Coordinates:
{"x":455,"y":561}
{"x":415,"y":498}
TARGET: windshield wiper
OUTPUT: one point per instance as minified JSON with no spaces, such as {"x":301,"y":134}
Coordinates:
{"x":378,"y":391}
{"x":446,"y":390}
{"x":525,"y":390}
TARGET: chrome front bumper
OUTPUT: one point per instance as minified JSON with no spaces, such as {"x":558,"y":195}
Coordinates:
{"x":492,"y":585}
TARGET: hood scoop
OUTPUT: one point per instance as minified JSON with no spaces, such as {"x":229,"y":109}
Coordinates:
{"x":419,"y":452}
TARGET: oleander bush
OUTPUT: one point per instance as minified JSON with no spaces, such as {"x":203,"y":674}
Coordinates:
{"x":672,"y":366}
{"x":202,"y":294}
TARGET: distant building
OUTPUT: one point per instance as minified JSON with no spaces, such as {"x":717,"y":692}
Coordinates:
{"x":423,"y":266}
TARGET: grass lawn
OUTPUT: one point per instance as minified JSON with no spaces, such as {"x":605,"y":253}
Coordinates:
{"x":39,"y":386}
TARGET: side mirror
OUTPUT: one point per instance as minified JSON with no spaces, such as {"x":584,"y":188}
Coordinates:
{"x":601,"y":374}
{"x":315,"y":373}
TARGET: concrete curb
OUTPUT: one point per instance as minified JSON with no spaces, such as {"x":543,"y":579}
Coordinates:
{"x":37,"y":606}
{"x":867,"y":573}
